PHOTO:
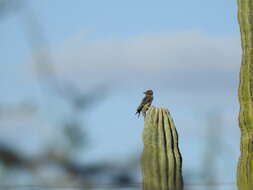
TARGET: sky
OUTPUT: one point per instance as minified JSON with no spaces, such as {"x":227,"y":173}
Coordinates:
{"x":188,"y":52}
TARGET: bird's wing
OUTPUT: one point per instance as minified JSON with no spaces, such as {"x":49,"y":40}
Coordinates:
{"x":144,"y":101}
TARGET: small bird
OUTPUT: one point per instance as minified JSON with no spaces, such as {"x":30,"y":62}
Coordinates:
{"x":145,"y":103}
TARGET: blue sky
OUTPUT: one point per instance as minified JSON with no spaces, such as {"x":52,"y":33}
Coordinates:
{"x":129,"y":18}
{"x":187,"y":51}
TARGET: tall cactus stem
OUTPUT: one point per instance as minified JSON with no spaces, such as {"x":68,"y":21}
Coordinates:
{"x":161,"y":159}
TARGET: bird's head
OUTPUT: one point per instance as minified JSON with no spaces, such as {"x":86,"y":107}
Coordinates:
{"x":148,"y":92}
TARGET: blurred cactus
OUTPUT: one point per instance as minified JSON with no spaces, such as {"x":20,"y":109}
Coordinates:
{"x":8,"y":6}
{"x":161,"y":160}
{"x":245,"y":165}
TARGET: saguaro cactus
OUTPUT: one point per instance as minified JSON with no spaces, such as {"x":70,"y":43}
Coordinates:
{"x":245,"y":164}
{"x":161,"y":159}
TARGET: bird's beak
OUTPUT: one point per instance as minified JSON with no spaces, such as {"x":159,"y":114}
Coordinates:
{"x":144,"y":92}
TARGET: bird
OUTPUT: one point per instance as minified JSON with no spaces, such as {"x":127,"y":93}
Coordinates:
{"x":145,"y":103}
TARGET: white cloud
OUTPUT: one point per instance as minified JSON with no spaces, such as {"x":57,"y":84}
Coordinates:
{"x":189,"y":60}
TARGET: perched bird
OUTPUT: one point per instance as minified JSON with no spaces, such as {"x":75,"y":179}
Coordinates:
{"x":145,"y":103}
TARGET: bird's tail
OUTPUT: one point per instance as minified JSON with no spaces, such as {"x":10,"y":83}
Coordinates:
{"x":138,"y":114}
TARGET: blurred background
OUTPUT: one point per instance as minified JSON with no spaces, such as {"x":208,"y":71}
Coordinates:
{"x":72,"y":74}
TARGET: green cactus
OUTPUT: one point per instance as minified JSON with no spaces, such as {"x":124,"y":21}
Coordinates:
{"x":245,"y":164}
{"x":161,"y":160}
